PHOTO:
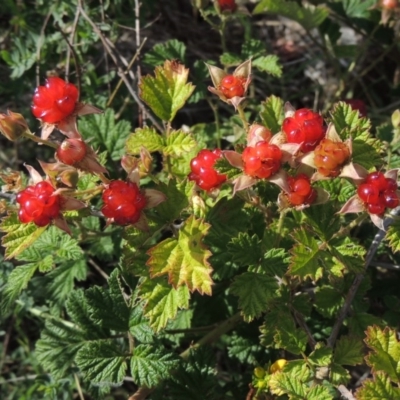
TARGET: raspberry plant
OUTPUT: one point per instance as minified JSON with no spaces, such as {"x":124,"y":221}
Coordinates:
{"x":145,"y":251}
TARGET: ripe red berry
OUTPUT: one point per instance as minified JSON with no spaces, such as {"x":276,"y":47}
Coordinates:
{"x":378,"y":180}
{"x":38,"y":204}
{"x":71,"y":151}
{"x":123,"y":201}
{"x":55,"y":101}
{"x":232,"y":86}
{"x":368,"y":193}
{"x":330,"y":156}
{"x":203,"y":172}
{"x":262,"y":161}
{"x":306,"y":127}
{"x":389,"y":4}
{"x":301,"y":191}
{"x":227,"y":5}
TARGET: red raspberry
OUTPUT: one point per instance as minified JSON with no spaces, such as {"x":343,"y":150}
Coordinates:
{"x":55,"y":101}
{"x":306,"y":127}
{"x":357,"y":104}
{"x":262,"y":161}
{"x":232,"y":86}
{"x":378,"y":193}
{"x":38,"y":204}
{"x":203,"y":172}
{"x":330,"y":156}
{"x":389,"y":4}
{"x":301,"y":191}
{"x":123,"y":201}
{"x":227,"y":5}
{"x":71,"y":151}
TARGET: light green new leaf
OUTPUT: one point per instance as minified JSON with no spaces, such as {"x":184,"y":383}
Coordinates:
{"x":386,"y":351}
{"x":308,"y":16}
{"x":319,"y":392}
{"x":167,"y":91}
{"x":306,"y":256}
{"x":102,"y":361}
{"x":393,"y":236}
{"x":291,"y":380}
{"x":254,"y":291}
{"x":378,"y":388}
{"x":162,"y":301}
{"x":18,"y":236}
{"x":179,"y":143}
{"x":272,"y":113}
{"x":269,"y":64}
{"x":321,"y":356}
{"x":348,"y":351}
{"x":184,"y":260}
{"x":149,"y":365}
{"x":339,"y":375}
{"x":144,"y":137}
{"x":17,"y":281}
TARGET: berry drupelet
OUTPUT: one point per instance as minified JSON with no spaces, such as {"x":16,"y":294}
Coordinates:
{"x":301,"y":191}
{"x":232,"y":86}
{"x":330,"y":157}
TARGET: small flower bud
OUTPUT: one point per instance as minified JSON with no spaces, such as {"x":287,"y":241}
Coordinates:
{"x":12,"y":125}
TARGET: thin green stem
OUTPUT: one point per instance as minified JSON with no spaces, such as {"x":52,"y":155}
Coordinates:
{"x":280,"y":227}
{"x":217,"y":123}
{"x":243,"y":118}
{"x":29,"y":135}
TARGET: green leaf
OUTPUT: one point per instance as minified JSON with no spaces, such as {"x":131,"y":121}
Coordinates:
{"x":224,"y":167}
{"x":274,"y":317}
{"x":17,"y":281}
{"x":272,"y":113}
{"x":230,"y":59}
{"x":306,"y":256}
{"x":365,"y":154}
{"x":348,"y":351}
{"x":360,"y":321}
{"x":18,"y":236}
{"x":378,"y":388}
{"x":254,"y":291}
{"x":339,"y":375}
{"x":290,"y":338}
{"x":162,"y":301}
{"x":102,"y":361}
{"x":393,"y":236}
{"x":321,"y":356}
{"x":245,"y":249}
{"x":269,"y":64}
{"x":144,"y":137}
{"x":275,"y":262}
{"x":149,"y":365}
{"x":308,"y":16}
{"x":385,"y":355}
{"x":108,"y":307}
{"x":139,"y":326}
{"x":358,"y":8}
{"x":328,"y":301}
{"x":319,"y":392}
{"x":178,"y":143}
{"x":105,"y":132}
{"x":184,"y":260}
{"x":168,"y":91}
{"x":169,"y":50}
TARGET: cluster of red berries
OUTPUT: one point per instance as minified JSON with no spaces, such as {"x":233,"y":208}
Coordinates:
{"x":232,"y":86}
{"x":227,"y":5}
{"x":38,"y":204}
{"x":71,"y":151}
{"x":262,"y":161}
{"x":301,"y":191}
{"x":123,"y":201}
{"x":378,"y":193}
{"x":330,"y":156}
{"x":203,"y":172}
{"x":55,"y":101}
{"x":306,"y":127}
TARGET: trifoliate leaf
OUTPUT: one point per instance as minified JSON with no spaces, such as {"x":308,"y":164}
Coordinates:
{"x":167,"y":91}
{"x":108,"y":306}
{"x":184,"y":260}
{"x":178,"y":143}
{"x":378,"y":388}
{"x":18,"y":236}
{"x":385,"y":355}
{"x":169,"y":50}
{"x":17,"y":281}
{"x":149,"y":365}
{"x":245,"y":249}
{"x":272,"y":113}
{"x":393,"y":236}
{"x":144,"y":137}
{"x":162,"y":301}
{"x":308,"y":16}
{"x":306,"y":256}
{"x":348,"y":351}
{"x":102,"y":362}
{"x":269,"y":64}
{"x":105,"y":132}
{"x":254,"y":291}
